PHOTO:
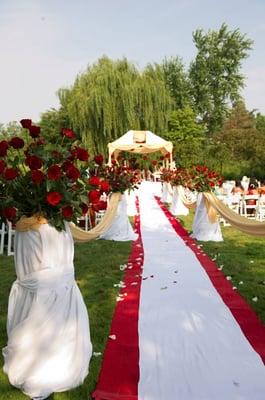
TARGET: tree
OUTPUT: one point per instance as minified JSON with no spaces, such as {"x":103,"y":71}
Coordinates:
{"x":238,"y":145}
{"x":176,"y":81}
{"x":112,"y":97}
{"x":187,"y":136}
{"x":215,"y":75}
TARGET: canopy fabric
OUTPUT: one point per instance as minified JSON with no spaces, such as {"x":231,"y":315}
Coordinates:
{"x":140,"y":142}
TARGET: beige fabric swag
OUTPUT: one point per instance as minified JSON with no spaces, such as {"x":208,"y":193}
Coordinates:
{"x":242,"y":223}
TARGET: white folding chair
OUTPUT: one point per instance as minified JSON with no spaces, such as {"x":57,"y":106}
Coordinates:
{"x":10,"y":239}
{"x":250,"y":203}
{"x":260,"y":210}
{"x":99,"y":215}
{"x":85,"y":222}
{"x":2,"y":237}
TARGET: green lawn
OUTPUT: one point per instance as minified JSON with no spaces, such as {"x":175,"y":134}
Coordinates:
{"x":97,"y":269}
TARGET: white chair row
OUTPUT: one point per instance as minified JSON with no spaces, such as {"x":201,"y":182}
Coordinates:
{"x":249,"y":206}
{"x":7,"y":229}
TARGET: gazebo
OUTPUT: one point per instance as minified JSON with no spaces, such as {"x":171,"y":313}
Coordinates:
{"x":141,"y":142}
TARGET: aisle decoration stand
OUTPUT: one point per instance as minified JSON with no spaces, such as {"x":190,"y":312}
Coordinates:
{"x":45,"y":189}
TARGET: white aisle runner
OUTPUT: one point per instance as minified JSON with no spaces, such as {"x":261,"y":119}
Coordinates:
{"x":191,"y":347}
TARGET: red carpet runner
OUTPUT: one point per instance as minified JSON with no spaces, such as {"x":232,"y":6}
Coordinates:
{"x":119,"y":375}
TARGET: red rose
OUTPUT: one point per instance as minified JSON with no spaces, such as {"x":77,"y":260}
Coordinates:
{"x":56,"y":154}
{"x":3,"y":148}
{"x":99,"y":159}
{"x":104,"y":186}
{"x":161,"y":158}
{"x":94,"y":196}
{"x":68,"y":133}
{"x":26,"y":123}
{"x":73,"y":153}
{"x":67,"y":211}
{"x":67,"y":164}
{"x":33,"y":162}
{"x":10,"y":213}
{"x":100,"y":205}
{"x":37,"y":176}
{"x":84,"y":208}
{"x":94,"y":181}
{"x":53,"y":198}
{"x":54,"y":172}
{"x":154,"y":163}
{"x":16,"y":143}
{"x":34,"y":131}
{"x":2,"y":166}
{"x":113,"y":162}
{"x":10,"y":174}
{"x":82,"y":154}
{"x":73,"y":173}
{"x":40,"y":142}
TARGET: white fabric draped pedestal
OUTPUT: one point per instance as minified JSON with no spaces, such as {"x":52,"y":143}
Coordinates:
{"x":166,"y":192}
{"x":120,"y":229}
{"x":177,"y":207}
{"x":49,"y":346}
{"x":202,"y":228}
{"x":131,"y":205}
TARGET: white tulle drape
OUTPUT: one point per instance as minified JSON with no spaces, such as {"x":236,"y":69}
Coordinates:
{"x":120,"y":229}
{"x":166,"y":192}
{"x":131,"y":202}
{"x":177,"y":207}
{"x":202,"y":228}
{"x":49,"y":346}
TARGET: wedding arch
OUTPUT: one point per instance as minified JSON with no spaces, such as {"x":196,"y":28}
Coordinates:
{"x":141,"y":142}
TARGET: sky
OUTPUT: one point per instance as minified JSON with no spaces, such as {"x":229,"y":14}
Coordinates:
{"x":44,"y":44}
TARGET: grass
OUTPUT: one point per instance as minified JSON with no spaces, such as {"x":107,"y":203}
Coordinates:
{"x":97,"y":269}
{"x":243,"y":258}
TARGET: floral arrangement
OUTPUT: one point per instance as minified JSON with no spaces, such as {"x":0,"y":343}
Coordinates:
{"x":180,"y":176}
{"x":203,"y":179}
{"x":166,"y":175}
{"x":44,"y":176}
{"x":120,"y":178}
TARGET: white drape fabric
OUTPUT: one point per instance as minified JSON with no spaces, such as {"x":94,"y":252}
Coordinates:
{"x":49,"y":346}
{"x":166,"y":192}
{"x":177,"y":207}
{"x":191,"y":347}
{"x":120,"y":229}
{"x":130,"y":200}
{"x":202,"y":228}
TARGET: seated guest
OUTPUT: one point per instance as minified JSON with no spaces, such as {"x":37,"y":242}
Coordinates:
{"x":238,"y":188}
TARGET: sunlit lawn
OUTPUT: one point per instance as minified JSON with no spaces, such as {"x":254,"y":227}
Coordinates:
{"x":97,"y":269}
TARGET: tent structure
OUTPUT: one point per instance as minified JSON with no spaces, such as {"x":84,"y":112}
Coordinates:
{"x":140,"y":142}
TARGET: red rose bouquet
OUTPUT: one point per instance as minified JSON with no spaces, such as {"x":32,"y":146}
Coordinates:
{"x":120,"y":178}
{"x":46,"y":176}
{"x":202,"y":179}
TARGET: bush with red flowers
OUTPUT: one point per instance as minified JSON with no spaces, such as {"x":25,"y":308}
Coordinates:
{"x":47,"y":176}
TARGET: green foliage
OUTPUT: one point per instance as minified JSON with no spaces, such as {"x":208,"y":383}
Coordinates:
{"x":176,"y":81}
{"x":187,"y":136}
{"x":112,"y":97}
{"x":239,"y":144}
{"x":215,"y":73}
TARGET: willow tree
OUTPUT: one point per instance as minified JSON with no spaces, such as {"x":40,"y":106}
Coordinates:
{"x":112,"y":97}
